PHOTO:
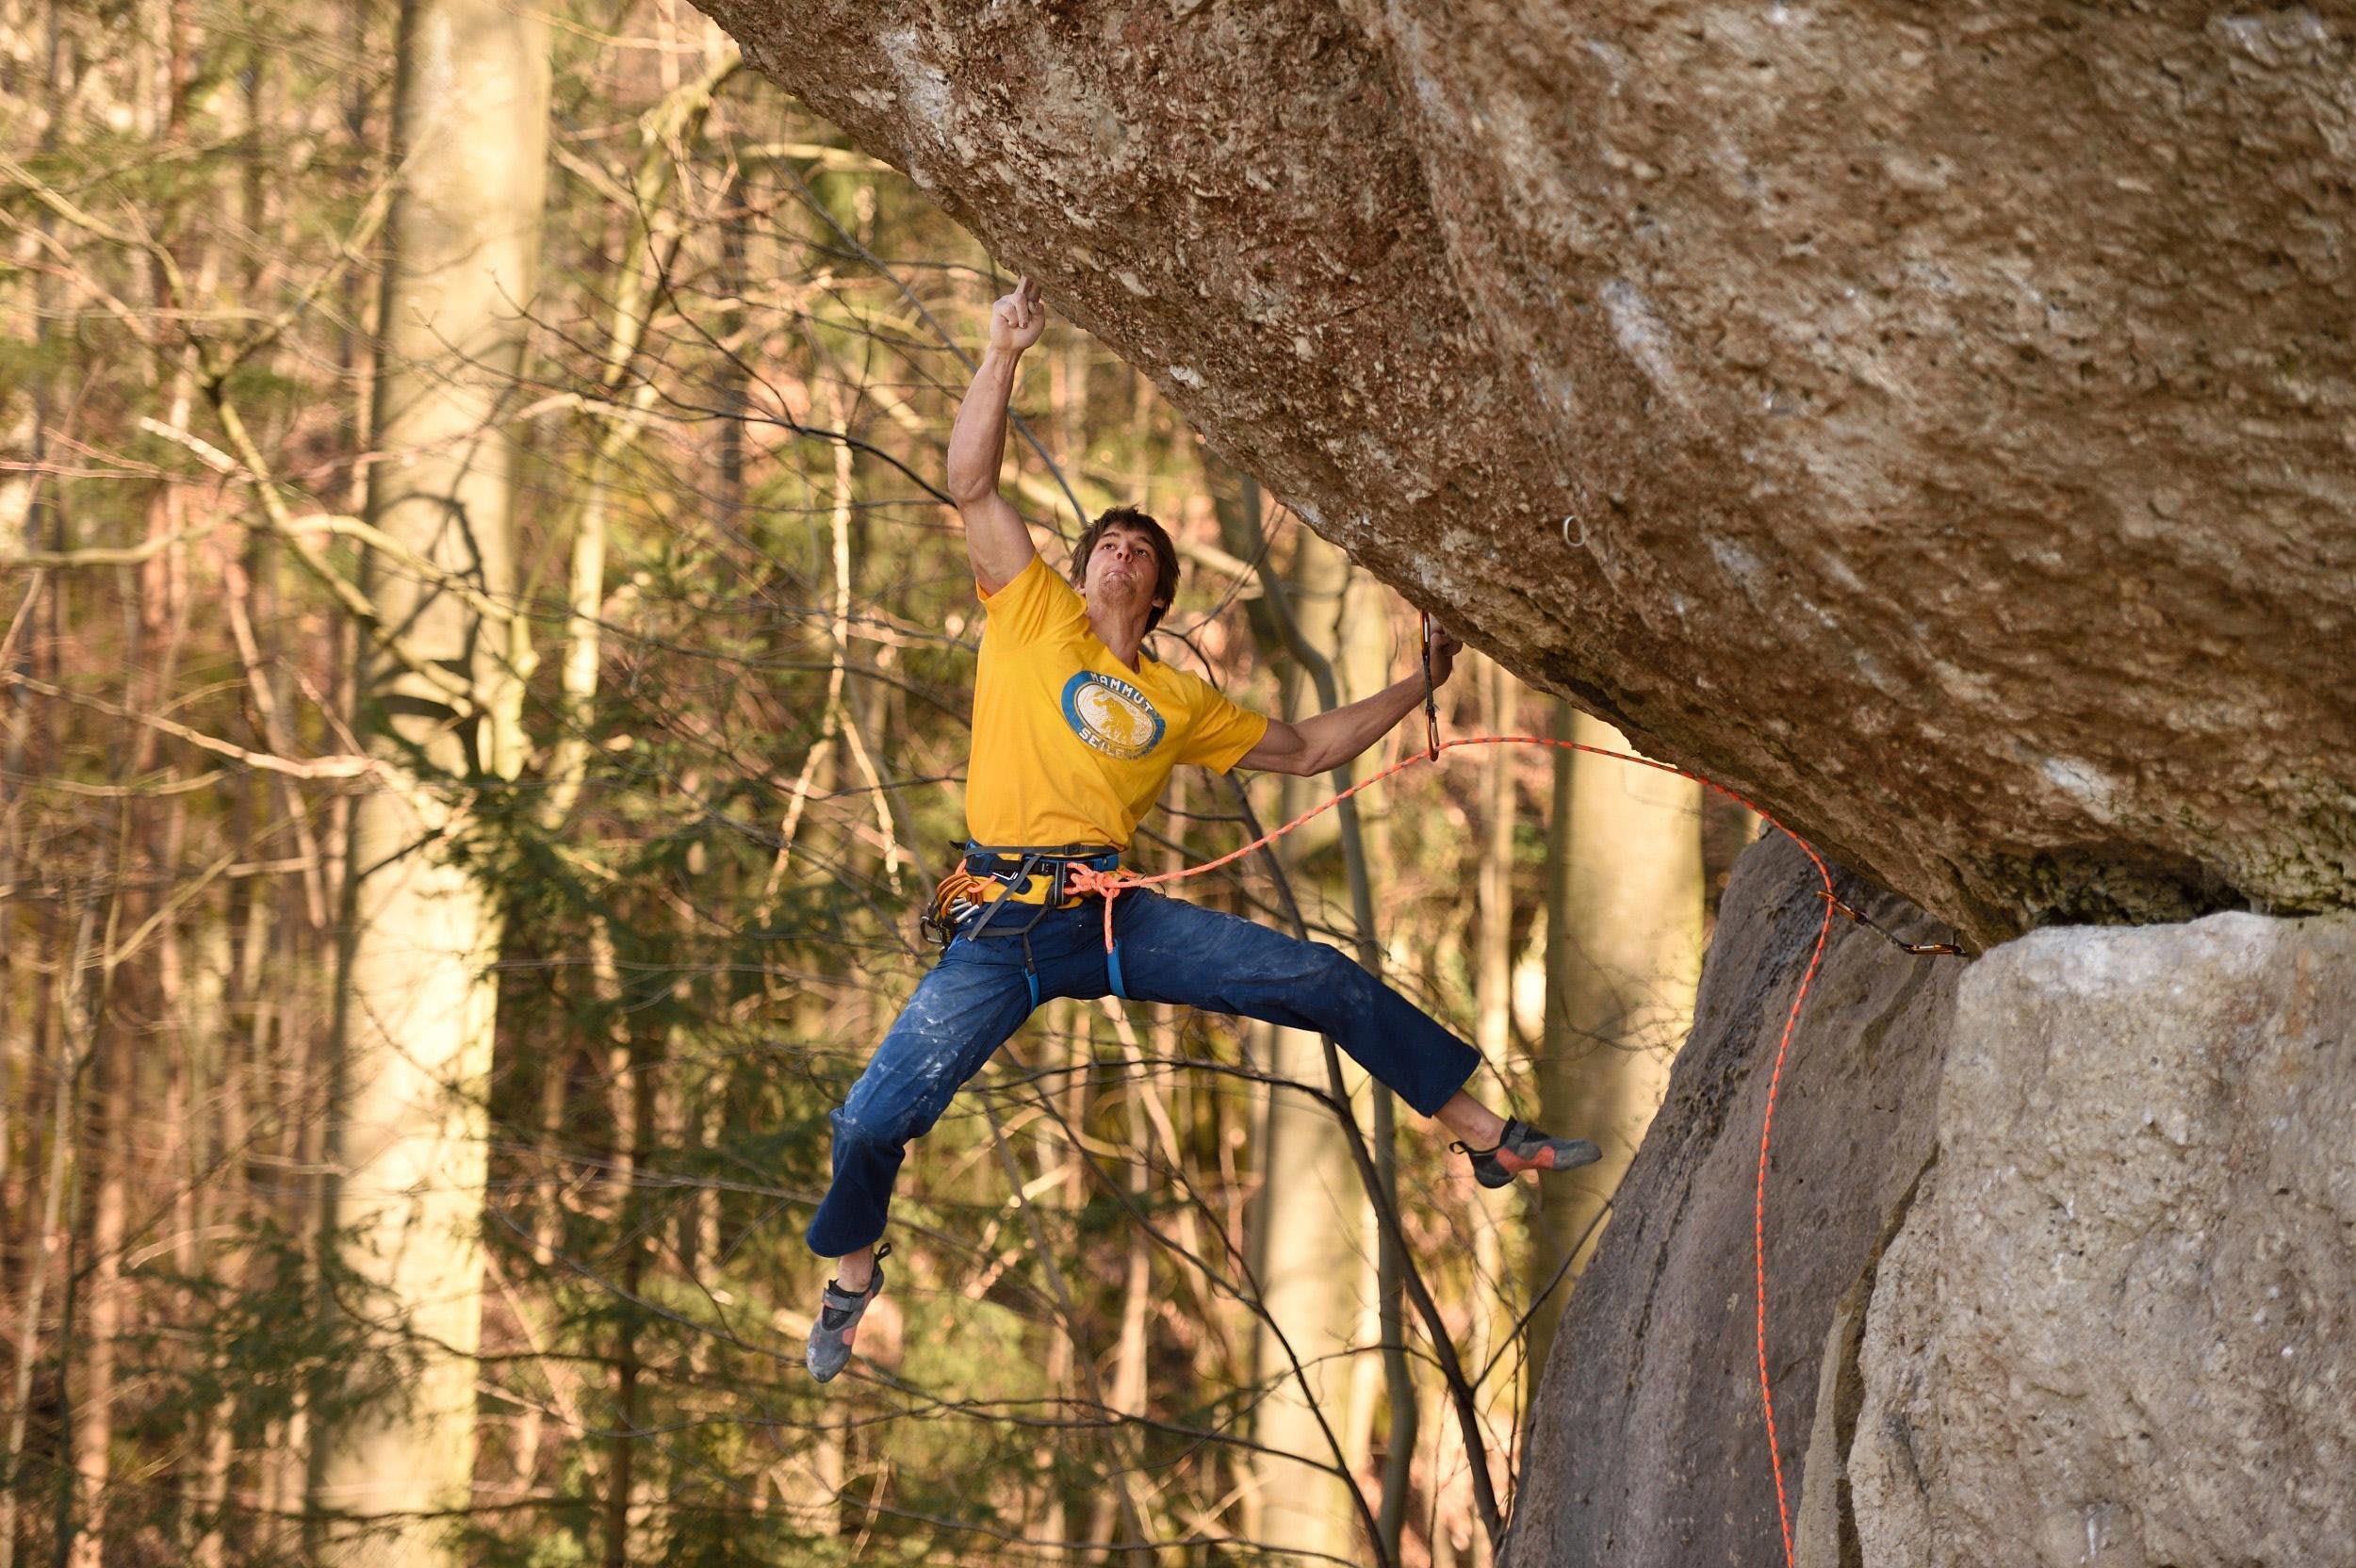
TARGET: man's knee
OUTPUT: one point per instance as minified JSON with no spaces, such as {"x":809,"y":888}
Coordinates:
{"x":1336,"y":985}
{"x":1328,"y":965}
{"x":872,"y":1127}
{"x":1284,"y":960}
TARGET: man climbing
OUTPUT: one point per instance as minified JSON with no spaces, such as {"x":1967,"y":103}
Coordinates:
{"x":1075,"y":731}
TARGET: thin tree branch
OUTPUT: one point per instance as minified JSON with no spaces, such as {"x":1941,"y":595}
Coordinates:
{"x":320,"y":767}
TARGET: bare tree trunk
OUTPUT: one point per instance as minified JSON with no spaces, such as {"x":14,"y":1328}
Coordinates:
{"x":1136,"y":1293}
{"x":730,"y":387}
{"x":1315,"y":594}
{"x":207,"y":1063}
{"x":1364,"y":641}
{"x":547,"y":1231}
{"x":292,"y":1065}
{"x":106,"y":1170}
{"x":1455,"y":1536}
{"x":25,"y":503}
{"x":72,"y":1034}
{"x":418,"y":997}
{"x":1624,"y":957}
{"x":1493,"y":1034}
{"x":95,"y":1293}
{"x":1307,"y":1232}
{"x":1309,"y":1236}
{"x":1493,"y":1027}
{"x":809,"y":1479}
{"x":637,"y":1067}
{"x":1066,"y":1030}
{"x":653,"y":244}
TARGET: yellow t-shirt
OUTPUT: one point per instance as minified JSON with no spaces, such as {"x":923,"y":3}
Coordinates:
{"x":1071,"y":746}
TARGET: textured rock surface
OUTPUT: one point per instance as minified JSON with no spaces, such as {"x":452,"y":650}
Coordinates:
{"x":2118,"y":1328}
{"x":1954,"y":405}
{"x":1648,"y":1449}
{"x":2062,"y":1247}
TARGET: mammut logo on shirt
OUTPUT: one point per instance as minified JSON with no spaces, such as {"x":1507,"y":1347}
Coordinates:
{"x":1111,"y":715}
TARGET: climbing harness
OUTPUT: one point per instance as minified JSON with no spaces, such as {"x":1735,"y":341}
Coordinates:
{"x":960,"y":906}
{"x":1019,"y":872}
{"x":1108,"y":884}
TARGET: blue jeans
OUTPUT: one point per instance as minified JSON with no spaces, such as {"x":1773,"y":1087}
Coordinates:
{"x":980,"y":993}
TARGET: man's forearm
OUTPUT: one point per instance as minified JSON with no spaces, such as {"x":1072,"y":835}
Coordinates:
{"x":1338,"y":737}
{"x":977,"y":442}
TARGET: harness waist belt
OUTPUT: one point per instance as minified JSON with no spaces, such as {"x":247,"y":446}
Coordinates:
{"x":1029,"y":876}
{"x":990,"y":876}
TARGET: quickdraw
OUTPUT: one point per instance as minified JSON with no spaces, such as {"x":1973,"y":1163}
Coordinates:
{"x":1935,"y":950}
{"x":1430,"y":697}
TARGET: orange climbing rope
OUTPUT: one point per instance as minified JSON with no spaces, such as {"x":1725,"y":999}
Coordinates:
{"x":1111,"y":884}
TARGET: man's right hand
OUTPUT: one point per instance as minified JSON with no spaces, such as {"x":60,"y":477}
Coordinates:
{"x":994,"y":535}
{"x":1017,"y":320}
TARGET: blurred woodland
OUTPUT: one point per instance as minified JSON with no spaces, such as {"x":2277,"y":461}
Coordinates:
{"x":484,"y":698}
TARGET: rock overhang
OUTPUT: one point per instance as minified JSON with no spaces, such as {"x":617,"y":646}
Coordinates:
{"x":1940,"y":428}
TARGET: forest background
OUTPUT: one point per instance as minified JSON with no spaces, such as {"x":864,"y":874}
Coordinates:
{"x":484,"y":698}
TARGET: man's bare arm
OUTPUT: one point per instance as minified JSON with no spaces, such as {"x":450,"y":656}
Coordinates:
{"x":996,"y":540}
{"x":1327,"y":741}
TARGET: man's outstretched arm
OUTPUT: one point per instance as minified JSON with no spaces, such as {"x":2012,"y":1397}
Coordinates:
{"x":1323,"y":742}
{"x":995,"y":538}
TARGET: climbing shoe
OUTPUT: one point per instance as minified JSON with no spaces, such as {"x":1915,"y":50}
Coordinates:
{"x":1531,"y":1147}
{"x":838,"y":1311}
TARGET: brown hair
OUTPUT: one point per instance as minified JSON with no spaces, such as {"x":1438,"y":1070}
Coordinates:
{"x":1164,"y":555}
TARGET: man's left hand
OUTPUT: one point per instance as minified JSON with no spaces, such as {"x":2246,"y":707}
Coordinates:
{"x":1444,"y":647}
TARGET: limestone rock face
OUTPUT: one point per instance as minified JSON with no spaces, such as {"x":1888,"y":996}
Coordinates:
{"x":1648,"y":1449}
{"x":2062,"y":1259}
{"x":2118,"y":1329}
{"x":1938,"y":422}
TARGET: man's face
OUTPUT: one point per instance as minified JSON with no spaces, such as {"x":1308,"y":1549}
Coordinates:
{"x":1121,"y":569}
